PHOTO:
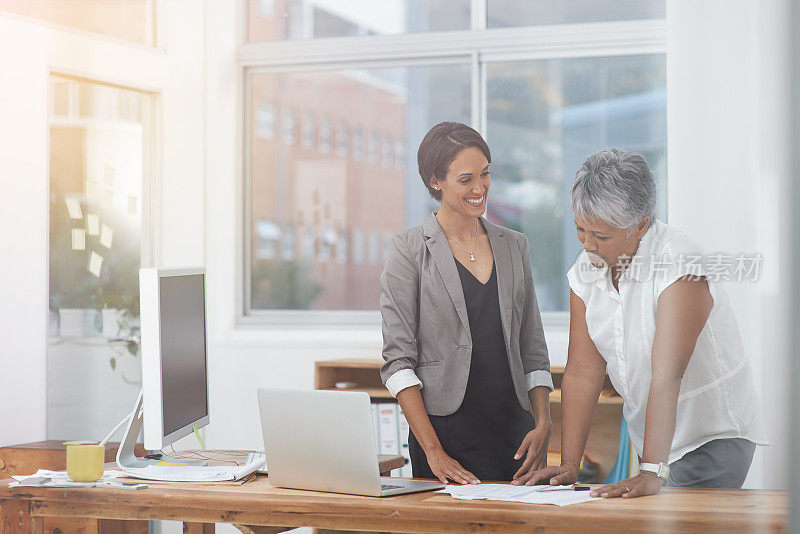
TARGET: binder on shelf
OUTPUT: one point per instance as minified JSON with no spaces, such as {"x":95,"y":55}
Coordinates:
{"x":402,"y":431}
{"x":387,"y":422}
{"x":376,"y":427}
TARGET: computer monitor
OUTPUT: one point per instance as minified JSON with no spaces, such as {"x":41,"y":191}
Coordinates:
{"x":174,"y":395}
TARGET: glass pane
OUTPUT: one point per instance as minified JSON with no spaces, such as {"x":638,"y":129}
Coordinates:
{"x":97,"y":135}
{"x":271,"y":20}
{"x":130,"y":20}
{"x":504,"y":13}
{"x":334,"y":176}
{"x":544,"y":119}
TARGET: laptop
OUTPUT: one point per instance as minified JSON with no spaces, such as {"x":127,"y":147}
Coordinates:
{"x":323,"y":441}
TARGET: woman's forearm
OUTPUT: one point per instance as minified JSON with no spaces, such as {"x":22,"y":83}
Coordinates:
{"x":659,"y":426}
{"x":410,"y":400}
{"x":579,"y":396}
{"x":540,"y":406}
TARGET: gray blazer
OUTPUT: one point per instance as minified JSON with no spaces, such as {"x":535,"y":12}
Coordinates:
{"x":426,"y":336}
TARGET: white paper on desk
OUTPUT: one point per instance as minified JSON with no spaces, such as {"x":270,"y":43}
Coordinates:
{"x":60,"y":479}
{"x":560,"y":496}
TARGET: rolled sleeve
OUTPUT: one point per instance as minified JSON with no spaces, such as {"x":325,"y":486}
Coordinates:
{"x":402,"y":379}
{"x":539,"y":378}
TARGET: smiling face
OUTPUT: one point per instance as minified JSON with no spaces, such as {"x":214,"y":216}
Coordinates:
{"x":466,"y":186}
{"x":608,"y":245}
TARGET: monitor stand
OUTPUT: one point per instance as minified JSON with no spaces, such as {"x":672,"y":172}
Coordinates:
{"x":126,"y":455}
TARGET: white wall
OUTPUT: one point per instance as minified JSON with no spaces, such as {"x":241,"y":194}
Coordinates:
{"x":31,"y":50}
{"x":23,"y":231}
{"x":728,"y":163}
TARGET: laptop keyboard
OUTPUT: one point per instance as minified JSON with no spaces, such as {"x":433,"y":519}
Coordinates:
{"x":390,"y":486}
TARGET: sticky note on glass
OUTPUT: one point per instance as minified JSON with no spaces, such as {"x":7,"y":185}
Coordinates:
{"x":106,"y":235}
{"x":95,"y":263}
{"x":92,"y":190}
{"x":133,"y":204}
{"x":92,"y":224}
{"x":108,"y":174}
{"x":78,"y":239}
{"x":74,"y":208}
{"x":108,"y":199}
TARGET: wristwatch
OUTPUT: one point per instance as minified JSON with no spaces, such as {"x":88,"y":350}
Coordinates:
{"x":661,"y":470}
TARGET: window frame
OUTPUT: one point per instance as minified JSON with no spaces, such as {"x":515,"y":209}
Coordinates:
{"x":477,"y":47}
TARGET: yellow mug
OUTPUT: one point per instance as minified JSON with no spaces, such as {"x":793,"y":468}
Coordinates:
{"x":85,"y":460}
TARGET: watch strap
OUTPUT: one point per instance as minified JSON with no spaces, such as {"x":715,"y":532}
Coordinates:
{"x":661,"y":470}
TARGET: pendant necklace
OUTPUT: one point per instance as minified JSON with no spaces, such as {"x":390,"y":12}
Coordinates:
{"x":474,"y":242}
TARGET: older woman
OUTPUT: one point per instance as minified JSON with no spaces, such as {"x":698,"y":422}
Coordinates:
{"x":643,"y":307}
{"x":462,"y":337}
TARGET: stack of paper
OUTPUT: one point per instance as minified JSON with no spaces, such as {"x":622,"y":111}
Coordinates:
{"x":59,"y":479}
{"x":558,"y":495}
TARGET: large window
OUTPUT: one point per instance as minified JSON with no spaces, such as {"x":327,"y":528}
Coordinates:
{"x":321,"y":218}
{"x":270,"y":20}
{"x":505,"y":13}
{"x":544,"y":118}
{"x":332,"y":133}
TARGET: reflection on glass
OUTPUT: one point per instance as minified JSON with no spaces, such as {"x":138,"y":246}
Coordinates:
{"x":96,"y":158}
{"x":129,"y":20}
{"x":270,"y":20}
{"x":321,"y":218}
{"x":97,"y":139}
{"x":544,"y":118}
{"x":504,"y":13}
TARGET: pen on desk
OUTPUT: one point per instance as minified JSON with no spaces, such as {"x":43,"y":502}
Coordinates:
{"x":578,"y":487}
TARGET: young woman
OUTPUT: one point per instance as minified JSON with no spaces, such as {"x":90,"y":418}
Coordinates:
{"x":462,"y":336}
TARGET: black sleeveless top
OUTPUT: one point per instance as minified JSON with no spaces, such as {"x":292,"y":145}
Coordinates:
{"x":484,"y":433}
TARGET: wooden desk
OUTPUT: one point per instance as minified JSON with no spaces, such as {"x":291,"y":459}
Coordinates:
{"x":258,"y":503}
{"x":26,"y":458}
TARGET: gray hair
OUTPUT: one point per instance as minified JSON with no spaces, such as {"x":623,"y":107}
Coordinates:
{"x":615,"y":187}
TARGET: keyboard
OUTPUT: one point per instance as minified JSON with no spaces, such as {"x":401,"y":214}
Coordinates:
{"x":198,"y":473}
{"x":390,"y":486}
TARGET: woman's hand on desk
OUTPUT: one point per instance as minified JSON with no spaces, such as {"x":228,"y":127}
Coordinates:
{"x":554,"y":475}
{"x":444,"y":467}
{"x":638,"y":486}
{"x":534,"y":450}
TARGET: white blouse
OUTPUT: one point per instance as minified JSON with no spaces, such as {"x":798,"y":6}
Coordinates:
{"x":717,"y":397}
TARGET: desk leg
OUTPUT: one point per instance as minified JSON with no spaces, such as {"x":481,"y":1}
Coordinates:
{"x":197,"y":528}
{"x":17,"y":519}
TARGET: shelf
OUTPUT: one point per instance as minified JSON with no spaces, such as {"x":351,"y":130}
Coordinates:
{"x":374,"y":393}
{"x":351,"y":363}
{"x":614,"y":399}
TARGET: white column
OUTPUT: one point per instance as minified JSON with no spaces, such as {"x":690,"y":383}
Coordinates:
{"x":729,"y":168}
